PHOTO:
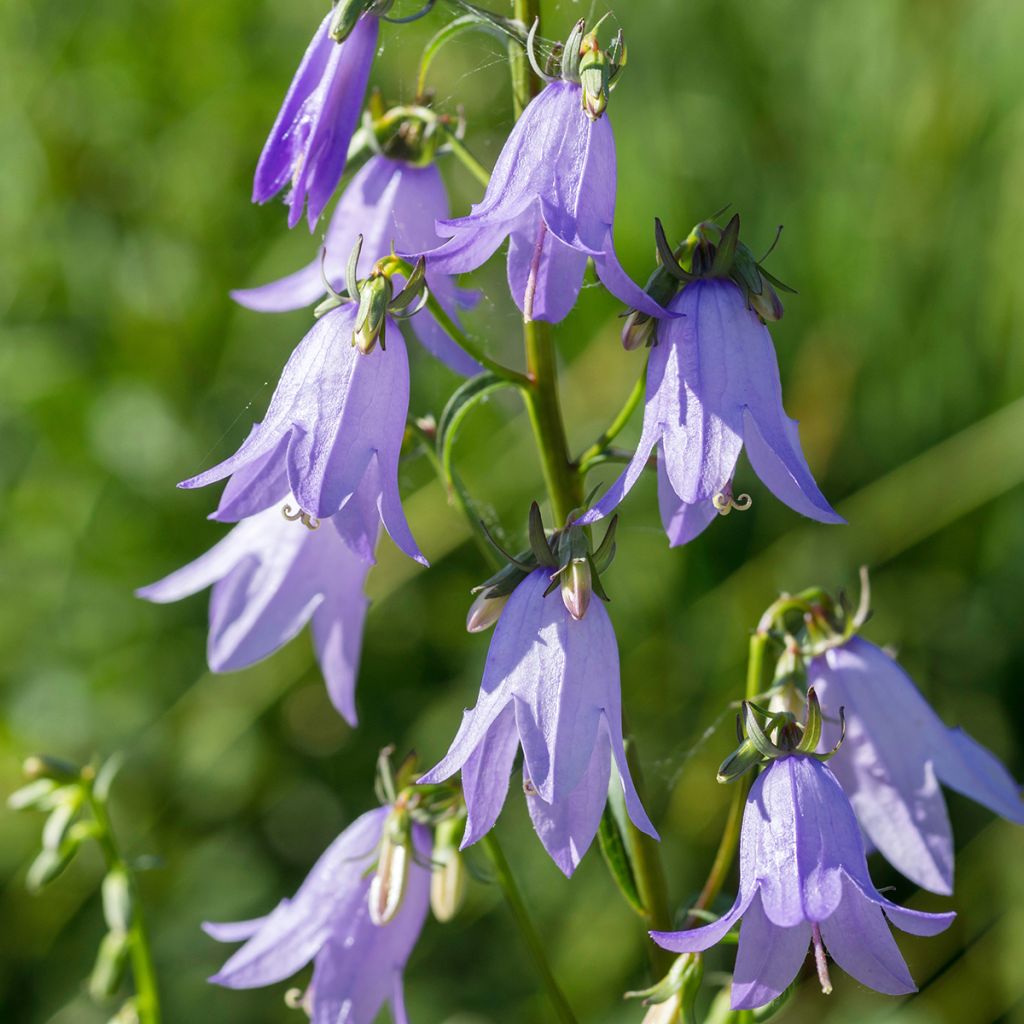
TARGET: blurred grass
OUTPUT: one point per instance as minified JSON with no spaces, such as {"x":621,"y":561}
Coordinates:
{"x":888,"y":135}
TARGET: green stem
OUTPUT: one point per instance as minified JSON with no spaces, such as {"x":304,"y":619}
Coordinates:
{"x":728,"y":844}
{"x":466,"y":158}
{"x":564,"y":484}
{"x":593,"y":455}
{"x":505,"y":878}
{"x":147,"y":998}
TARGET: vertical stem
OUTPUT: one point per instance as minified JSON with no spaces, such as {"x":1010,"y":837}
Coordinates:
{"x":565,"y":489}
{"x":524,"y":85}
{"x":526,"y":927}
{"x":147,"y":998}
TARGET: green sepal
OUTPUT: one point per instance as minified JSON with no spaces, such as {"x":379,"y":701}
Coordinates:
{"x":725,"y":252}
{"x":117,"y":900}
{"x":109,"y":969}
{"x":48,"y":865}
{"x":812,"y":728}
{"x":602,"y":557}
{"x":539,"y":539}
{"x":36,"y":796}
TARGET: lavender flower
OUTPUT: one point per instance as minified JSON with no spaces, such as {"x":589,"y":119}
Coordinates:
{"x":308,"y":144}
{"x":331,"y":436}
{"x":552,"y":192}
{"x":551,"y":683}
{"x":388,"y":203}
{"x":357,"y":965}
{"x":712,"y":389}
{"x":269,"y":578}
{"x":897,"y":755}
{"x":804,"y":879}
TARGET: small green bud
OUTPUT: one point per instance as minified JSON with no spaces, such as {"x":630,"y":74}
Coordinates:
{"x":484,"y":612}
{"x":117,"y":900}
{"x":388,"y":885}
{"x":42,"y":766}
{"x":449,"y":876}
{"x":48,"y":865}
{"x":61,"y":819}
{"x":594,"y":72}
{"x":36,"y":796}
{"x":374,"y":295}
{"x":108,"y":971}
{"x":577,"y":587}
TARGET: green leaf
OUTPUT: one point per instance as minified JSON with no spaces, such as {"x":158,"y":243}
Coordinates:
{"x":465,"y":397}
{"x":615,"y":851}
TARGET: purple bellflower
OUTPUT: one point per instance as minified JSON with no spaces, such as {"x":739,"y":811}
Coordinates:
{"x":357,"y":964}
{"x":896,"y":757}
{"x":332,"y":436}
{"x":804,"y":880}
{"x":269,"y":578}
{"x":551,"y":683}
{"x":308,"y":145}
{"x":713,"y":389}
{"x":389,"y":203}
{"x":552,"y":192}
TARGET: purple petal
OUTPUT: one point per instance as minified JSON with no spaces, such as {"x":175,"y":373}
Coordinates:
{"x":392,"y":515}
{"x":620,"y":284}
{"x":234,"y":931}
{"x":564,"y":669}
{"x":773,"y":448}
{"x":696,"y":940}
{"x":485,"y":776}
{"x":255,"y":487}
{"x":884,"y":763}
{"x":768,"y":958}
{"x":470,"y":245}
{"x":567,"y":826}
{"x":544,"y":274}
{"x":858,"y":939}
{"x":613,"y":727}
{"x":357,"y":971}
{"x":682,"y":522}
{"x":969,"y":768}
{"x":358,"y":523}
{"x":275,"y":166}
{"x":338,"y":623}
{"x":298,"y":928}
{"x":303,"y":288}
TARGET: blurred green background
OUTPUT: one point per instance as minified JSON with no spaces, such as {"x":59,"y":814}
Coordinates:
{"x":887,"y":135}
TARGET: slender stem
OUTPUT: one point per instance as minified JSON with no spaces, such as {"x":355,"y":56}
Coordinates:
{"x":524,"y":85}
{"x":728,"y":844}
{"x":466,"y":158}
{"x":527,"y":929}
{"x":564,"y":484}
{"x":589,"y":458}
{"x":147,"y":998}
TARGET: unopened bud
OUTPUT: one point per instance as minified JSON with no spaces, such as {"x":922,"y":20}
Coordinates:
{"x":668,"y":1012}
{"x":42,"y":766}
{"x":374,"y":295}
{"x":48,"y":865}
{"x":638,"y":330}
{"x":577,"y":587}
{"x":484,"y":612}
{"x":388,"y":885}
{"x":111,"y":961}
{"x":117,"y":900}
{"x":448,"y":878}
{"x":767,"y":304}
{"x":594,"y":72}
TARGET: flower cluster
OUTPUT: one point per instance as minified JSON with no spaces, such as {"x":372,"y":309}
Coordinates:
{"x":316,"y":482}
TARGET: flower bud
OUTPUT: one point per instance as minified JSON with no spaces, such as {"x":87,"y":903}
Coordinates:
{"x":111,"y":961}
{"x":668,"y":1012}
{"x":594,"y":72}
{"x":577,"y":587}
{"x":638,"y":330}
{"x":42,"y":766}
{"x":374,"y":295}
{"x":484,"y":612}
{"x":117,"y":900}
{"x":448,"y":878}
{"x":388,"y":885}
{"x":48,"y":865}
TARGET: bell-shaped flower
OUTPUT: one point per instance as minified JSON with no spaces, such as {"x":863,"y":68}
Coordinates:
{"x":552,"y":192}
{"x":390,"y":204}
{"x":269,"y":577}
{"x":357,"y":964}
{"x":551,"y":683}
{"x":896,"y":757}
{"x":308,"y":145}
{"x":804,"y":880}
{"x":713,"y":389}
{"x":332,"y":435}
